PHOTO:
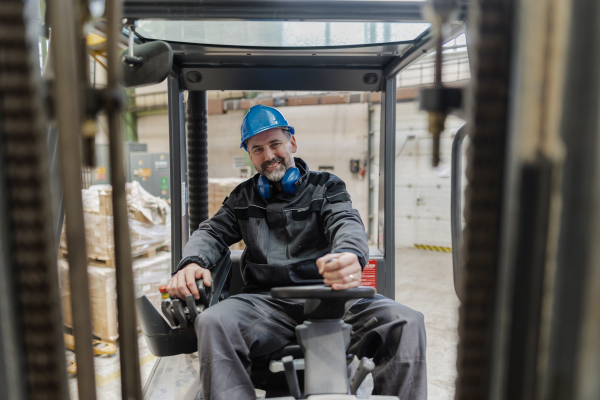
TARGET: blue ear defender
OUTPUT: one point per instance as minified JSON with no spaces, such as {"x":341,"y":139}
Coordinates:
{"x":290,"y":182}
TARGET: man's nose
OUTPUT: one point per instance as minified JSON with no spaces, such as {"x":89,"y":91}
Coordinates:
{"x":270,"y":154}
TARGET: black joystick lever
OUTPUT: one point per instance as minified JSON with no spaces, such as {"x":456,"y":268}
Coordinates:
{"x":202,"y":291}
{"x":366,"y":365}
{"x":191,"y":305}
{"x":179,"y":313}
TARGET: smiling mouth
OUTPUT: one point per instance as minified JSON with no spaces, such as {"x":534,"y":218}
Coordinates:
{"x":272,"y":166}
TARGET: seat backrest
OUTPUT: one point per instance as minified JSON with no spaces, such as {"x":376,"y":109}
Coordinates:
{"x":238,"y":260}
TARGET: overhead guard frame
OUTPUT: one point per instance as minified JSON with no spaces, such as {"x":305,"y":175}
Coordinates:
{"x":221,"y":69}
{"x":293,"y":10}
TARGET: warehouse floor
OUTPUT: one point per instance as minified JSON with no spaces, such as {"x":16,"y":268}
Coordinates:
{"x":423,"y":282}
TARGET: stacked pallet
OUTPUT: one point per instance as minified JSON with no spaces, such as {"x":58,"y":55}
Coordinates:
{"x":148,"y":216}
{"x":149,"y":274}
{"x":150,"y":230}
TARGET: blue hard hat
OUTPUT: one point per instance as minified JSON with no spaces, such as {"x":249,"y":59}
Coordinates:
{"x":262,"y":118}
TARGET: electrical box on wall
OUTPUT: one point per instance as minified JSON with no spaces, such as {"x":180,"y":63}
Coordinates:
{"x":101,"y":173}
{"x":354,"y":166}
{"x":151,"y":170}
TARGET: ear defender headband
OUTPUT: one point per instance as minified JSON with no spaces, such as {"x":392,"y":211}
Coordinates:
{"x":290,"y":182}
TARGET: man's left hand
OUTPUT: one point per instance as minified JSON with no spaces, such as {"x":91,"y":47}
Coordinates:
{"x":340,"y":270}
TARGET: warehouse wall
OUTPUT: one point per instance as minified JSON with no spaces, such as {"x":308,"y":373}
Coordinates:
{"x":331,"y":135}
{"x":422,"y":192}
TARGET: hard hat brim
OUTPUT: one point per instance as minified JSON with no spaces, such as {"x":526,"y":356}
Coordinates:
{"x":289,"y":128}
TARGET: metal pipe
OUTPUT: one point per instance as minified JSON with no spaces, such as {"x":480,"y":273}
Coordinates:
{"x":68,"y":100}
{"x":455,"y":205}
{"x":131,"y":36}
{"x":131,"y":386}
{"x":439,"y":41}
{"x":197,"y":151}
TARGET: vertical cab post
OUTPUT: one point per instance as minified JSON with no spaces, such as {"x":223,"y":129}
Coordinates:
{"x":387,"y":188}
{"x":179,"y":185}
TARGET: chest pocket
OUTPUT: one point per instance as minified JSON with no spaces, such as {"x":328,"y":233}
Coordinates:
{"x":249,"y":212}
{"x":253,"y":226}
{"x":303,"y":214}
{"x":305,"y":230}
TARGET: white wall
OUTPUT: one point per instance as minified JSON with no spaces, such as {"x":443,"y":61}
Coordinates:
{"x":154,"y":131}
{"x":422,"y":193}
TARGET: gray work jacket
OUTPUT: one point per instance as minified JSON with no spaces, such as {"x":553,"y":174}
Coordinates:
{"x":285,"y":234}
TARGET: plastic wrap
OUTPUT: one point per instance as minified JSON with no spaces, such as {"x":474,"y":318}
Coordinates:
{"x":156,"y":210}
{"x":148,"y":274}
{"x":144,"y":236}
{"x":149,"y":221}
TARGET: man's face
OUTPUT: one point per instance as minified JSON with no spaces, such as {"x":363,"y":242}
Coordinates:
{"x":271,"y":153}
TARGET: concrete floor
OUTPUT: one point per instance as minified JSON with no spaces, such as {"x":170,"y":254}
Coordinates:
{"x":424,"y":282}
{"x":108,"y":373}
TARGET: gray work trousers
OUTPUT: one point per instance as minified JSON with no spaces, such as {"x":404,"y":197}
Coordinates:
{"x":254,"y":325}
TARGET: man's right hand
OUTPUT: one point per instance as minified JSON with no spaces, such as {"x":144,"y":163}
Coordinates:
{"x":184,"y":281}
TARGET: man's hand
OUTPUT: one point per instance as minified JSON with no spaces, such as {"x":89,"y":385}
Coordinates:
{"x":184,"y":281}
{"x":340,"y":270}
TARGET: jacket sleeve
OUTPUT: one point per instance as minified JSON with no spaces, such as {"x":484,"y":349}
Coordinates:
{"x":343,"y":226}
{"x":212,"y":238}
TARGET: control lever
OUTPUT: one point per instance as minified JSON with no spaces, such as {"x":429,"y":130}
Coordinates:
{"x":191,"y":302}
{"x":202,"y":291}
{"x":366,"y":365}
{"x":179,"y":314}
{"x":191,"y":305}
{"x":166,"y":306}
{"x":291,"y":377}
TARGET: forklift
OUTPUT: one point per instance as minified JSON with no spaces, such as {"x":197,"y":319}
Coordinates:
{"x":526,"y":264}
{"x":270,"y":61}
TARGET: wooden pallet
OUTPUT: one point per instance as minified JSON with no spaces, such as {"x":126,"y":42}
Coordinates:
{"x":110,"y":263}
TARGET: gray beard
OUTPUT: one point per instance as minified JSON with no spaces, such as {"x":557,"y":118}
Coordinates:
{"x":277,"y":175}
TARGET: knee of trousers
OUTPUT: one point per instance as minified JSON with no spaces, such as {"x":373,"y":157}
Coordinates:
{"x":213,"y":320}
{"x":414,"y":320}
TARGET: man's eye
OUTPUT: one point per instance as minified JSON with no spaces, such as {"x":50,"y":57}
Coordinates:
{"x":257,"y":150}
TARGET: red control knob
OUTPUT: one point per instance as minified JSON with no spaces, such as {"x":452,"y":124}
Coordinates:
{"x":163,"y":289}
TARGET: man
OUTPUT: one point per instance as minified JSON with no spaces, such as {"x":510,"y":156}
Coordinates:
{"x":300,"y":229}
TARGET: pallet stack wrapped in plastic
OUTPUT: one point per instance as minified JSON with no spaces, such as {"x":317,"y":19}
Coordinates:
{"x":149,"y":222}
{"x":150,"y":230}
{"x":148,"y":274}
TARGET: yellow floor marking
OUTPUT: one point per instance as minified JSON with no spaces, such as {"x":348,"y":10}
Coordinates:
{"x":433,"y":248}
